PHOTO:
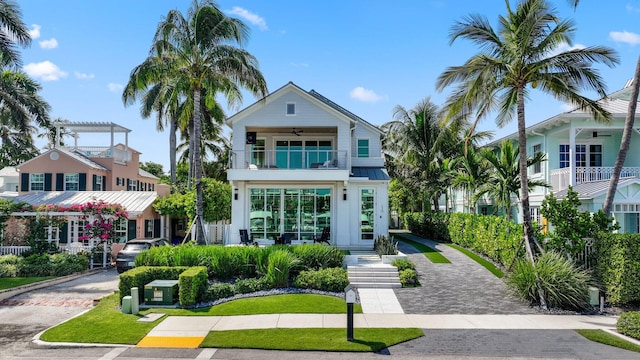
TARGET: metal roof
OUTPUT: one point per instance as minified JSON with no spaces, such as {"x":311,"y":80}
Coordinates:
{"x":147,"y":174}
{"x":9,"y":171}
{"x":372,"y":173}
{"x":589,"y":190}
{"x":135,"y":202}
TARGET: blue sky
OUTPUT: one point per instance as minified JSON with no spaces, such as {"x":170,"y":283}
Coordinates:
{"x":367,"y":56}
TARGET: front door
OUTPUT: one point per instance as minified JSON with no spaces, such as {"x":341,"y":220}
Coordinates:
{"x":367,"y":216}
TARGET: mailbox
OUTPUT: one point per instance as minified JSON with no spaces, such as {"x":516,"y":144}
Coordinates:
{"x":351,"y":294}
{"x":161,"y":292}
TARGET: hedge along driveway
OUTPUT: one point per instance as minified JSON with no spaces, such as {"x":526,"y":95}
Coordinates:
{"x":461,"y":287}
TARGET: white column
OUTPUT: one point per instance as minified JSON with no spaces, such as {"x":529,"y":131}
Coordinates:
{"x":572,"y":160}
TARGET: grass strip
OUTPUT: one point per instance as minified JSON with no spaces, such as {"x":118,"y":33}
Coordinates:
{"x":104,"y":324}
{"x":328,"y":339}
{"x":8,"y":283}
{"x":604,"y":337}
{"x":480,"y":260}
{"x":432,"y":254}
{"x":276,"y":304}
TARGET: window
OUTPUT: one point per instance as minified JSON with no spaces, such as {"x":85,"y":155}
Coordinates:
{"x":98,"y":183}
{"x":537,"y":167}
{"x":291,"y":109}
{"x":71,"y":182}
{"x":37,"y":182}
{"x":258,"y":152}
{"x":363,"y":148}
{"x":595,"y":155}
{"x":581,"y":155}
{"x":564,"y":156}
{"x":133,"y":185}
{"x":535,"y":214}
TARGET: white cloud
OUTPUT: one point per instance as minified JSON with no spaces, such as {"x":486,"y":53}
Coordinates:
{"x":46,"y":70}
{"x":113,"y":87}
{"x":49,"y":44}
{"x":254,"y":19}
{"x":35,"y":31}
{"x":362,"y":94}
{"x":83,"y":76}
{"x":631,"y":8}
{"x":625,"y":37}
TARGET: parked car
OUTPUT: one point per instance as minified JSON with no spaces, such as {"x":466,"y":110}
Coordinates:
{"x":127,"y":256}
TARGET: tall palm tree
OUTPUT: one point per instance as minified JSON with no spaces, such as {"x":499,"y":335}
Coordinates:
{"x":519,"y":57}
{"x":13,"y":31}
{"x":504,"y":177}
{"x":203,"y":51}
{"x":472,"y":172}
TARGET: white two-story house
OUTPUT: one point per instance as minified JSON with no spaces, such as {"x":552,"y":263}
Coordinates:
{"x":581,"y":152}
{"x":301,"y":163}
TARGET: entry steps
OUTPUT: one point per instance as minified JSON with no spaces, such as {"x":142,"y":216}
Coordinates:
{"x":371,"y":273}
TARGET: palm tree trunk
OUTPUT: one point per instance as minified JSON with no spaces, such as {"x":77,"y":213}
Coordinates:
{"x":197,"y":130}
{"x":172,"y":149}
{"x":524,"y":191}
{"x":624,"y":143}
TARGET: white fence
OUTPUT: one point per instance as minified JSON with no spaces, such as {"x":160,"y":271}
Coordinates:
{"x":586,"y":257}
{"x":73,"y":248}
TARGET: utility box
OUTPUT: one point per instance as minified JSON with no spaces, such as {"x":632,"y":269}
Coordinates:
{"x":594,"y":296}
{"x":161,"y":292}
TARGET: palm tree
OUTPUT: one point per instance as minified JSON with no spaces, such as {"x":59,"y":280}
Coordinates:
{"x":472,"y":172}
{"x":516,"y":59}
{"x":200,"y":52}
{"x":504,"y":177}
{"x":12,"y":31}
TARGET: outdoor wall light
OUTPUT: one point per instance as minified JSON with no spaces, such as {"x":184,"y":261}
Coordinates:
{"x":344,"y":194}
{"x":235,"y":194}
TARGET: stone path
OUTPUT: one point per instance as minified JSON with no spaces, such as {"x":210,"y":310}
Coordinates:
{"x":461,"y":287}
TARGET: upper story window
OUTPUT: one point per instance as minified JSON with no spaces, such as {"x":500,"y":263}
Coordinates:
{"x":564,"y":156}
{"x":71,"y":182}
{"x":133,"y":185}
{"x":97,"y":183}
{"x":363,"y":148}
{"x":581,"y":155}
{"x":291,"y":109}
{"x":36,"y":182}
{"x":595,"y":155}
{"x":537,"y":167}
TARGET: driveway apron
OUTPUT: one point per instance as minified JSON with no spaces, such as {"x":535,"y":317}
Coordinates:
{"x":461,"y":287}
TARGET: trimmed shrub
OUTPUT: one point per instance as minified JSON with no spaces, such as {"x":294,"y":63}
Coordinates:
{"x":564,"y":285}
{"x":192,"y":283}
{"x":9,"y":265}
{"x":10,"y":259}
{"x":67,"y":264}
{"x":280,"y":264}
{"x":140,"y":276}
{"x":245,"y":286}
{"x":35,"y":265}
{"x":383,"y":245}
{"x":430,"y":225}
{"x":408,"y":278}
{"x":618,"y":266}
{"x":330,"y":279}
{"x":629,"y":324}
{"x":403,"y":264}
{"x":219,"y":291}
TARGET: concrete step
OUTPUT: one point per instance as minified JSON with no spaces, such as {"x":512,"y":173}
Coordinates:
{"x":372,"y":269}
{"x":378,"y":276}
{"x":377,"y":285}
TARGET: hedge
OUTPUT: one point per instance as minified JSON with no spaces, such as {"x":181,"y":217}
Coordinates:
{"x":430,"y":225}
{"x":192,"y":284}
{"x":618,"y":266}
{"x":332,"y":279}
{"x":629,"y":324}
{"x":142,"y":275}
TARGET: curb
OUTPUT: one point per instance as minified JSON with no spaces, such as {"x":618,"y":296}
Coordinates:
{"x":8,"y":293}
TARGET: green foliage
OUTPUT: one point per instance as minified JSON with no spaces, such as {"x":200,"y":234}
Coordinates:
{"x":629,"y":324}
{"x":142,"y":275}
{"x":618,"y":266}
{"x":10,"y":259}
{"x":244,"y":286}
{"x":8,"y":270}
{"x":6,"y":208}
{"x":570,"y":226}
{"x":216,"y":197}
{"x":42,"y":265}
{"x":408,"y":278}
{"x":35,"y":265}
{"x":192,"y":284}
{"x":317,"y":256}
{"x":429,"y":225}
{"x":403,"y":264}
{"x":219,"y":291}
{"x":329,"y":279}
{"x":430,"y":253}
{"x":563,"y":284}
{"x":153,"y":168}
{"x":280,"y":264}
{"x":607,"y":338}
{"x":492,"y":236}
{"x":383,"y":245}
{"x":67,"y":264}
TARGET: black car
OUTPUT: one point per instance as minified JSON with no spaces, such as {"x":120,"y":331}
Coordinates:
{"x":127,"y":256}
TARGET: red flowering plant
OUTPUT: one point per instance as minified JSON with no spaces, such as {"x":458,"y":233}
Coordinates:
{"x":100,"y":217}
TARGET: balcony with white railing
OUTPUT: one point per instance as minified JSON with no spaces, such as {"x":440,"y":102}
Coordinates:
{"x":118,"y":155}
{"x":560,"y":178}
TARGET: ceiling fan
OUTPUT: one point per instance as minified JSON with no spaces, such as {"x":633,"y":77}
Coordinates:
{"x":296,"y":132}
{"x":596,"y":134}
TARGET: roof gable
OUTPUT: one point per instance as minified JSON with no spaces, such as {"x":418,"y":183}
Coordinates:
{"x":69,"y":154}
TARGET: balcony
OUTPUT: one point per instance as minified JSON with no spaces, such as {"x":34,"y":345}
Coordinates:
{"x":560,"y":178}
{"x":118,"y":155}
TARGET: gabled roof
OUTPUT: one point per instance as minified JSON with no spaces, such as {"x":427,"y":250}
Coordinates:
{"x":135,"y":202}
{"x":9,"y":171}
{"x":75,"y":155}
{"x":590,"y":190}
{"x":147,"y":174}
{"x":312,"y":95}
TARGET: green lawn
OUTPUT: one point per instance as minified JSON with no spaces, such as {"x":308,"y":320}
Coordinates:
{"x":604,"y":337}
{"x":480,"y":260}
{"x":310,"y":339}
{"x":432,"y":254}
{"x":8,"y":283}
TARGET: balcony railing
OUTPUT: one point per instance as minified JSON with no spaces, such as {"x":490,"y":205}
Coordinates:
{"x":103,"y":152}
{"x":560,"y":177}
{"x":289,"y":159}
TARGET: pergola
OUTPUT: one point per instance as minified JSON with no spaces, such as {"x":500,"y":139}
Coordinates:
{"x":76,"y":128}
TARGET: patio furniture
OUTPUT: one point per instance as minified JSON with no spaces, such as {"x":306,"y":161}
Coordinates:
{"x":324,"y":237}
{"x":245,"y":238}
{"x":284,"y":239}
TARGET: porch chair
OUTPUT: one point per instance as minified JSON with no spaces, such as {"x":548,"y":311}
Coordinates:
{"x":245,"y":238}
{"x":324,"y":237}
{"x":284,"y":239}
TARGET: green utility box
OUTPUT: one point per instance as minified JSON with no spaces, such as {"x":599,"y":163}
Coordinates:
{"x":161,"y":292}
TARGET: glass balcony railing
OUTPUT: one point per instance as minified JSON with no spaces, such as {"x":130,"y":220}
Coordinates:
{"x":288,"y":159}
